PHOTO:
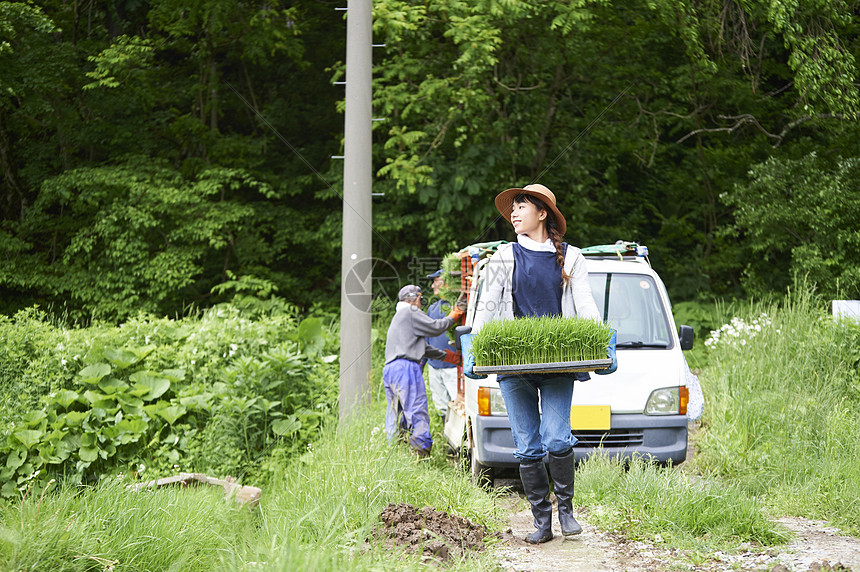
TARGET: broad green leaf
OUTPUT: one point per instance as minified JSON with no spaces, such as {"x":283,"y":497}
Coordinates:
{"x":286,"y":426}
{"x":74,"y":418}
{"x":57,"y":453}
{"x":88,"y":454}
{"x":310,"y":333}
{"x":16,"y":458}
{"x":94,"y":372}
{"x":178,"y":333}
{"x":55,"y":436}
{"x":200,"y":401}
{"x":142,"y":351}
{"x":54,"y":452}
{"x":174,"y":374}
{"x":138,"y":390}
{"x":92,"y":396}
{"x":153,"y":408}
{"x":66,"y":397}
{"x":33,"y":418}
{"x":28,"y":437}
{"x":155,"y":384}
{"x":125,"y":431}
{"x":89,"y":440}
{"x":172,"y":413}
{"x":129,"y":401}
{"x":121,"y":358}
{"x":112,"y":385}
{"x":134,"y":426}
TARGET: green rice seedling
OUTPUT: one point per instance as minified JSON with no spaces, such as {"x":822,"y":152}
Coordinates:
{"x":547,"y":339}
{"x":450,"y":289}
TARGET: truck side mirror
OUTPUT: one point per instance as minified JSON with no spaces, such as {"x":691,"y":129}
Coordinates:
{"x":459,"y":331}
{"x":686,"y":335}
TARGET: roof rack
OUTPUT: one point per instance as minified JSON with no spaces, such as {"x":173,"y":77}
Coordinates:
{"x":622,"y":250}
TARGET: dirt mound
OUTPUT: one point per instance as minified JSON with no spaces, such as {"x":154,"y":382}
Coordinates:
{"x":428,"y":531}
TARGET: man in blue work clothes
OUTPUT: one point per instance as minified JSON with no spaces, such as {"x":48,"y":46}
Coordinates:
{"x":442,"y":375}
{"x":405,"y":347}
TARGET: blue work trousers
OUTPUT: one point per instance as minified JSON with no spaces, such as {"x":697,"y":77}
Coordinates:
{"x":539,"y":409}
{"x":407,"y":403}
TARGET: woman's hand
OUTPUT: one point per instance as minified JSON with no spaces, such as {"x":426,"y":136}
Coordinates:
{"x":468,"y":358}
{"x":610,"y":353}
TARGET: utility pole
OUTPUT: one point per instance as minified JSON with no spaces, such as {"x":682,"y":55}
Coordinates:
{"x":356,"y":263}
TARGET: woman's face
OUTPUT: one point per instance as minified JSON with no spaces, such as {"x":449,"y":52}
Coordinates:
{"x":526,"y":217}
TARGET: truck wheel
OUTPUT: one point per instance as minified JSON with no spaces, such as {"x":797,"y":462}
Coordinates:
{"x":482,"y":475}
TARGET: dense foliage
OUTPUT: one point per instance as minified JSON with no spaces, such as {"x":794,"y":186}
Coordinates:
{"x":148,"y":148}
{"x":233,"y":391}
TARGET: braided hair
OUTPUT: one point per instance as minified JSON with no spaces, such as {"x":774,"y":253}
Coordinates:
{"x":551,"y":229}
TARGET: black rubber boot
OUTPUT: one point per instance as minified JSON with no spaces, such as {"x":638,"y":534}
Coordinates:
{"x":536,"y":486}
{"x":562,"y":471}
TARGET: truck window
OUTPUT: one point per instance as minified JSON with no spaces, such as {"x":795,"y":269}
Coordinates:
{"x":630,"y":303}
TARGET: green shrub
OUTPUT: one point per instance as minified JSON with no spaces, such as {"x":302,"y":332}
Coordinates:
{"x":209,"y":393}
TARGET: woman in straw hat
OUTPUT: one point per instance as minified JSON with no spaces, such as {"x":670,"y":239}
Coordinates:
{"x":538,"y":275}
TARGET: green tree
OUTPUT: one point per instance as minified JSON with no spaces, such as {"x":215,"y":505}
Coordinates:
{"x":799,"y":218}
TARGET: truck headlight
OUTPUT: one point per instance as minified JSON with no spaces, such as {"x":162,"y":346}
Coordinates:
{"x":664,"y":401}
{"x":491,"y":402}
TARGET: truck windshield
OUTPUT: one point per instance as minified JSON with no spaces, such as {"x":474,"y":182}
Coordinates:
{"x":631,"y":304}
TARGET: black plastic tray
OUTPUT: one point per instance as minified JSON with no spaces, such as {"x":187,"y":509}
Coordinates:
{"x":554,"y":367}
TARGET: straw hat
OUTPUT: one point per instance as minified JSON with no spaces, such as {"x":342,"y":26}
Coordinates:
{"x":505,"y":201}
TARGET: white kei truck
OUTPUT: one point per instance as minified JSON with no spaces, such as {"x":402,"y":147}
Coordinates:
{"x":639,"y":410}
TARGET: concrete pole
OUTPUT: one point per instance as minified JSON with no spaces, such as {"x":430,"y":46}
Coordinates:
{"x":356,"y":263}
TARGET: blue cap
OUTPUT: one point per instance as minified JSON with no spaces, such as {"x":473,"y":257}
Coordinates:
{"x":436,"y":274}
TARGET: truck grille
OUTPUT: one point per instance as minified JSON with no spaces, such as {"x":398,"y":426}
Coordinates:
{"x":611,"y":438}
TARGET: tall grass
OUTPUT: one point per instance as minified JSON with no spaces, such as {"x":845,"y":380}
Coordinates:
{"x":646,"y":500}
{"x":782,"y":414}
{"x":316,"y":514}
{"x":110,"y":528}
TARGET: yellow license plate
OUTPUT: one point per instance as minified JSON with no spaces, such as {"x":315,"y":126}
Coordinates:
{"x":589,"y":417}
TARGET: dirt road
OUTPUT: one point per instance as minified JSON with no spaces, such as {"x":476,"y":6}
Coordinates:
{"x":816,"y":547}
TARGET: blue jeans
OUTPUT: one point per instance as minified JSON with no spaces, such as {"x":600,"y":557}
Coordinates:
{"x":407,"y":403}
{"x":535,"y":434}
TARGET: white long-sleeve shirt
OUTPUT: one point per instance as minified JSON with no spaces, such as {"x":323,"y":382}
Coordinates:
{"x":497,"y":303}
